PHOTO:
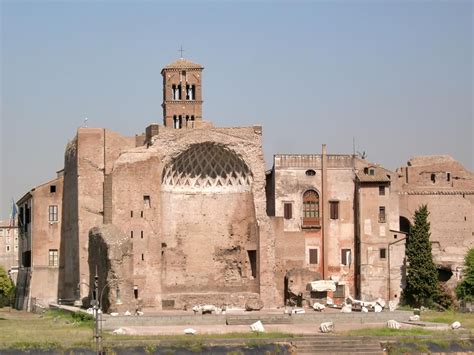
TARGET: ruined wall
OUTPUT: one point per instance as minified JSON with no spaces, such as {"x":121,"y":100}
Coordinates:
{"x":451,"y":218}
{"x":448,"y":189}
{"x":88,"y":158}
{"x":136,"y":201}
{"x":245,"y":210}
{"x":207,"y":241}
{"x":111,"y":256}
{"x":69,"y":243}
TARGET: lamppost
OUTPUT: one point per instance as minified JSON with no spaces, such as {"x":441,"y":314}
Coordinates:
{"x":97,"y":307}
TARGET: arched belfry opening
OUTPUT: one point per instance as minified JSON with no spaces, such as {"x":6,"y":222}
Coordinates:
{"x":207,"y":167}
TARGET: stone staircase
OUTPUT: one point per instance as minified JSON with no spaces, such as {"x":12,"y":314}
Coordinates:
{"x":321,"y":344}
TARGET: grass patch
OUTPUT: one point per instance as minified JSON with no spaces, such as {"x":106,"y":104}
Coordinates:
{"x":426,"y":346}
{"x":78,"y":318}
{"x":23,"y":346}
{"x":391,"y":332}
{"x":32,"y":331}
{"x":466,"y":319}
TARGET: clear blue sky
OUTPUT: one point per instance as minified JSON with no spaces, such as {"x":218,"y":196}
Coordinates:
{"x":397,"y":75}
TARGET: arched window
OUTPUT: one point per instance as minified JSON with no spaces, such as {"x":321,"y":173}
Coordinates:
{"x":311,"y":209}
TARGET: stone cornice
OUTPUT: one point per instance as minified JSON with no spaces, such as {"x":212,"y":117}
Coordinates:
{"x":438,"y":192}
{"x":183,"y":101}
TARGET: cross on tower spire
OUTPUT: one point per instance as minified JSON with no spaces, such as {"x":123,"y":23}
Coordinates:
{"x":181,"y":50}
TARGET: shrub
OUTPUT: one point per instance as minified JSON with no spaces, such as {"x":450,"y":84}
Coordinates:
{"x":465,"y":289}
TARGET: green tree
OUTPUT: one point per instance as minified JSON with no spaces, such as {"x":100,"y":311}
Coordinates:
{"x":6,"y":288}
{"x":422,"y":276}
{"x":465,"y":289}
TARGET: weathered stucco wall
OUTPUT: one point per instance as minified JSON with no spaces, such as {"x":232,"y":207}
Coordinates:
{"x":292,"y":177}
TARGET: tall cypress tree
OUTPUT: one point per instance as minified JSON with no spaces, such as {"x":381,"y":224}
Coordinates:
{"x":422,"y":276}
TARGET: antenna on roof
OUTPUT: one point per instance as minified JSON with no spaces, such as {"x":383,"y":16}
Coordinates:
{"x":85,"y":122}
{"x":181,"y":50}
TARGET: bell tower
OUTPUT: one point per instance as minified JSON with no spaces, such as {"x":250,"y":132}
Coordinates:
{"x":182,"y":94}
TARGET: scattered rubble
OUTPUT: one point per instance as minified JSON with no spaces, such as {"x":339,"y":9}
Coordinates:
{"x":114,"y":314}
{"x":456,"y":325}
{"x":207,"y":308}
{"x":119,"y":331}
{"x":253,"y":304}
{"x":346,"y":308}
{"x":257,"y":327}
{"x":392,"y":305}
{"x":127,"y":313}
{"x":378,"y":308}
{"x":326,"y":327}
{"x":414,"y":318}
{"x":364,"y":309}
{"x":393,"y":324}
{"x":298,"y":311}
{"x":318,"y":306}
{"x":190,"y":331}
{"x":298,"y":280}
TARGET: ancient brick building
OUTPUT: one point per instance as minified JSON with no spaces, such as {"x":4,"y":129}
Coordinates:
{"x":185,"y":214}
{"x":448,"y":189}
{"x":39,"y":221}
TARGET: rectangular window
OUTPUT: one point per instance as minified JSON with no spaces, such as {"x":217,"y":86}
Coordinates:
{"x":253,"y":262}
{"x":26,"y":258}
{"x":346,"y":256}
{"x":53,"y":213}
{"x":383,"y":253}
{"x":313,"y":256}
{"x":52,"y":189}
{"x":146,"y":201}
{"x":382,"y":190}
{"x":131,"y":214}
{"x":382,"y":216}
{"x":448,"y":176}
{"x":53,"y":257}
{"x":288,"y":210}
{"x":131,"y":234}
{"x":334,"y":209}
{"x":141,"y":234}
{"x":8,"y":248}
{"x":371,"y":171}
